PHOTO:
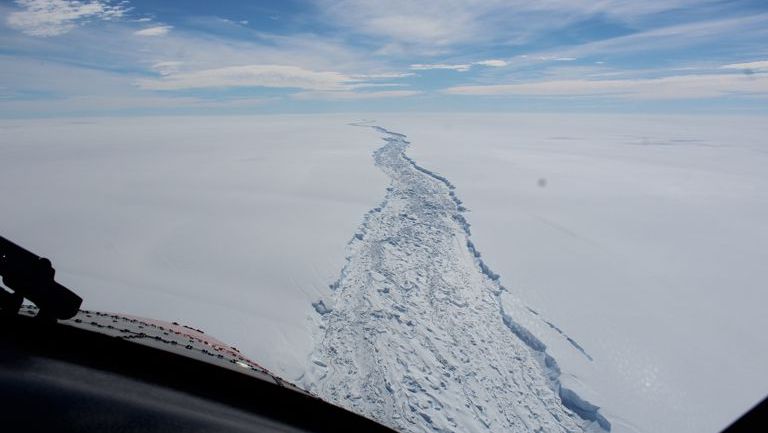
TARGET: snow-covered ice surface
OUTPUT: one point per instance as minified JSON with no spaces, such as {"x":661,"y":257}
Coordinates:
{"x":633,"y":247}
{"x":416,"y":336}
{"x":229,"y":224}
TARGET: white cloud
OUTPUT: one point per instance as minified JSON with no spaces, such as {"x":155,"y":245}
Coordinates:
{"x":166,"y":68}
{"x":732,"y":31}
{"x":318,"y":85}
{"x":117,"y":48}
{"x":424,"y":67}
{"x":369,"y":85}
{"x":55,"y":17}
{"x":278,"y":76}
{"x":154,"y":31}
{"x":759,"y":66}
{"x":429,"y":24}
{"x":674,"y":87}
{"x":463,"y":67}
{"x":67,"y":105}
{"x":347,"y":95}
{"x":495,"y":63}
{"x":384,"y":75}
{"x":556,"y":58}
{"x":407,"y":23}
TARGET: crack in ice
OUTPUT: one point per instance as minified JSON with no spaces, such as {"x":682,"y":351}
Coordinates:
{"x":416,"y":336}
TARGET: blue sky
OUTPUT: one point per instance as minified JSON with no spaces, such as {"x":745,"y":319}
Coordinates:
{"x":142,"y":57}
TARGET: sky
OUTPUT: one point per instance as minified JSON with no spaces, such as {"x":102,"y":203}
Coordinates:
{"x":143,"y":57}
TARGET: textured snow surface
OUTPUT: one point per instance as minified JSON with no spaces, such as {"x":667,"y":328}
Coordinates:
{"x":416,"y":336}
{"x":642,"y":237}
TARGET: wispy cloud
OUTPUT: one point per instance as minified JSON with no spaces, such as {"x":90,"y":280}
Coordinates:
{"x":154,"y":31}
{"x":325,"y":53}
{"x":428,"y":24}
{"x":384,"y":75}
{"x":124,"y":103}
{"x":674,"y":87}
{"x":556,"y":59}
{"x":55,"y":17}
{"x":354,"y":96}
{"x":462,"y":67}
{"x":728,"y":30}
{"x":494,"y":63}
{"x":167,"y":68}
{"x":315,"y":85}
{"x":276,"y":76}
{"x":425,"y":67}
{"x":758,"y":66}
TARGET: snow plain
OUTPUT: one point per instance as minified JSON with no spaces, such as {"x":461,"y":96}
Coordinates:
{"x":643,"y":239}
{"x":232,"y":225}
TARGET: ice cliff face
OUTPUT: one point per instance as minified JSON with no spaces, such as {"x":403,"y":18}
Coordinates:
{"x":415,"y":335}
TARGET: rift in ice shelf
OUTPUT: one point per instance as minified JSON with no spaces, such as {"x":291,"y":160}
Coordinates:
{"x":30,"y":276}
